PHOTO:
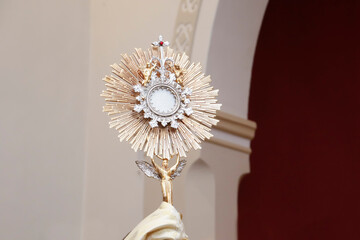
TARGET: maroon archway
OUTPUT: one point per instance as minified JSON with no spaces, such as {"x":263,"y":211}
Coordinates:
{"x":305,"y":97}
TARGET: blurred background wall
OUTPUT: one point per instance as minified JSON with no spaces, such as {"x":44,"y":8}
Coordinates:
{"x":44,"y":62}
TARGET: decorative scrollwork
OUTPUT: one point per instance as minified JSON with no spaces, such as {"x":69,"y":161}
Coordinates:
{"x":190,"y":5}
{"x":183,"y":38}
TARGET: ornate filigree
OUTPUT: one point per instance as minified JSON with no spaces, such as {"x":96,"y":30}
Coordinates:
{"x":159,"y":102}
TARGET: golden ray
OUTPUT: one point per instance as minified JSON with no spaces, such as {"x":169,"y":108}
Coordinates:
{"x":186,"y":131}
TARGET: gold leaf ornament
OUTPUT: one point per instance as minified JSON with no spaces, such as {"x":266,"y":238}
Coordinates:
{"x":160,"y":102}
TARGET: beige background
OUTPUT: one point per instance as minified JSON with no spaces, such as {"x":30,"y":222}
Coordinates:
{"x":44,"y":62}
{"x":63,"y":172}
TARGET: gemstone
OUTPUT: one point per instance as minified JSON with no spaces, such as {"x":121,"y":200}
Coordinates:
{"x":153,"y":123}
{"x":180,"y":116}
{"x":138,"y":108}
{"x":174,"y":124}
{"x":147,"y":115}
{"x":187,"y":91}
{"x":164,"y":123}
{"x":188,"y":111}
{"x":138,"y":88}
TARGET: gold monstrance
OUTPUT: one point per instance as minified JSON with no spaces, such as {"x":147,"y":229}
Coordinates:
{"x":161,"y":104}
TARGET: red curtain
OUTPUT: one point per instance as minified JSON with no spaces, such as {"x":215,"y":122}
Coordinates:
{"x":305,"y":97}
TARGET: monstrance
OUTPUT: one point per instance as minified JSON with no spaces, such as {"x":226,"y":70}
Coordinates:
{"x":163,"y":105}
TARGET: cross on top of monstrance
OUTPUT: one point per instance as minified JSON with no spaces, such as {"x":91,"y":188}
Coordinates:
{"x":161,"y":43}
{"x":161,"y":104}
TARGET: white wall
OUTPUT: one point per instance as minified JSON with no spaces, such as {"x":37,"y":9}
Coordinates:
{"x":114,"y":187}
{"x":44,"y":74}
{"x":231,"y":53}
{"x":200,"y":188}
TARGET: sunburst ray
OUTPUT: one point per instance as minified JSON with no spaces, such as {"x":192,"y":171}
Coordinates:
{"x":127,"y":95}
